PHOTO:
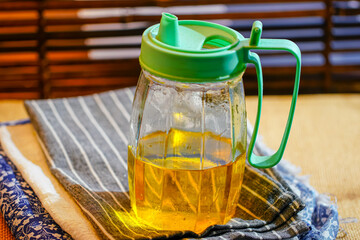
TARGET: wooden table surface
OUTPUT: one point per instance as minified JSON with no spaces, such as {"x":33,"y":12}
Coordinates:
{"x":324,"y":142}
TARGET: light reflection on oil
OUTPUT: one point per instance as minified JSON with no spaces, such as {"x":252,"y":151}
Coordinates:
{"x":175,"y":186}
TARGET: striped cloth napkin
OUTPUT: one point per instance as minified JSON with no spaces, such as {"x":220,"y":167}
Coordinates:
{"x":85,"y":141}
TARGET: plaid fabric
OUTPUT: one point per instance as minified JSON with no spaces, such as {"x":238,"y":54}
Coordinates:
{"x":86,"y":146}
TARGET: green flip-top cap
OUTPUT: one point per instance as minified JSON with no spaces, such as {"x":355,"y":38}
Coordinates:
{"x":191,"y":51}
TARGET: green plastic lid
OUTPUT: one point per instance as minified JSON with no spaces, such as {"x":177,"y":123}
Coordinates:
{"x":191,"y":51}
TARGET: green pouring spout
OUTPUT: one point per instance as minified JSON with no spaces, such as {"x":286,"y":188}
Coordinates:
{"x":169,"y":30}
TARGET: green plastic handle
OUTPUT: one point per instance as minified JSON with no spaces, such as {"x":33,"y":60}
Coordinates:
{"x":270,"y":44}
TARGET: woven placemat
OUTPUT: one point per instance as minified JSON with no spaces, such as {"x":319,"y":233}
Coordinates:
{"x":5,"y":233}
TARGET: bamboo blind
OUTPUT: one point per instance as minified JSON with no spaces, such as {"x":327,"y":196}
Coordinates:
{"x":65,"y":48}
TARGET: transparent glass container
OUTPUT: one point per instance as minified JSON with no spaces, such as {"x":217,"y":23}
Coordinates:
{"x":187,"y":151}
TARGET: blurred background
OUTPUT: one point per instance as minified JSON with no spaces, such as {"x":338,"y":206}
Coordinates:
{"x":67,"y":48}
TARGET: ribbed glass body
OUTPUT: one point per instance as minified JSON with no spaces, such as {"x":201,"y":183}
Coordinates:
{"x":187,"y":151}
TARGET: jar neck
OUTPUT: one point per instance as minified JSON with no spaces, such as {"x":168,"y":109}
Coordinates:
{"x":204,"y":86}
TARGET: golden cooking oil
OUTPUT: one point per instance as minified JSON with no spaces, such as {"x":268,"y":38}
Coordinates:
{"x":183,"y":180}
